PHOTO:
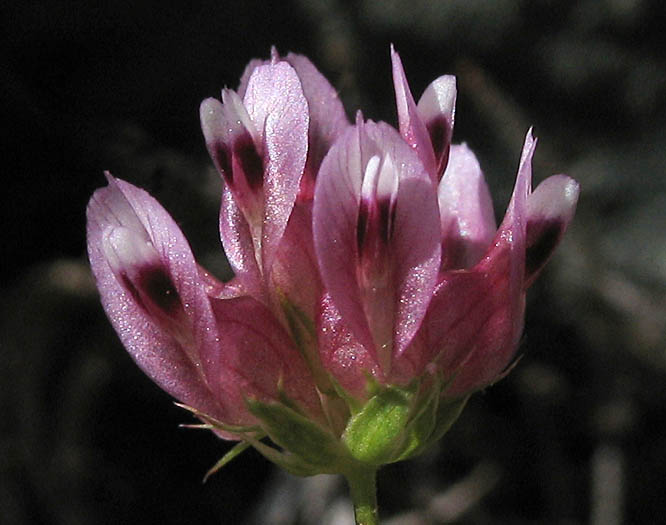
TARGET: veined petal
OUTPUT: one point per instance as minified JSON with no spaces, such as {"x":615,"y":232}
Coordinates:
{"x":379,"y":252}
{"x":461,"y":305}
{"x":334,"y":221}
{"x":152,"y":292}
{"x":295,"y":273}
{"x":437,"y":108}
{"x":466,"y":211}
{"x":295,"y":288}
{"x":412,"y":127}
{"x":342,"y":355}
{"x":417,"y":251}
{"x":275,"y":102}
{"x":550,"y":209}
{"x":504,"y":267}
{"x":259,"y":358}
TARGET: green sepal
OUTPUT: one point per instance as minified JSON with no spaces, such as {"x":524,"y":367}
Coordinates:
{"x":300,"y":325}
{"x":422,"y":424}
{"x":376,"y":433}
{"x":237,"y":450}
{"x":304,"y":334}
{"x":354,"y":405}
{"x":289,"y":462}
{"x":448,"y":412}
{"x":298,"y":435}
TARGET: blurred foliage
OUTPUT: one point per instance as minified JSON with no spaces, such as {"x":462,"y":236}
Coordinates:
{"x":574,"y":434}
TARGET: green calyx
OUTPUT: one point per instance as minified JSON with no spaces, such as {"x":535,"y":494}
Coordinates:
{"x":375,"y":435}
{"x":394,"y":424}
{"x":306,"y":445}
{"x":398,"y":423}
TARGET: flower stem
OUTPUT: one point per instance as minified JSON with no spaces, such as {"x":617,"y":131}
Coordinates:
{"x":363,"y":490}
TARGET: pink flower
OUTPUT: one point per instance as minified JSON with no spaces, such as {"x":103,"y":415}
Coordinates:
{"x":369,"y":272}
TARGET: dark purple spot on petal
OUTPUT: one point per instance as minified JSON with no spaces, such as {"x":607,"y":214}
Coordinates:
{"x":374,"y":225}
{"x":454,"y":250}
{"x":222,"y":159}
{"x":362,"y":224}
{"x":249,"y":161}
{"x":152,"y":288}
{"x":542,"y":238}
{"x":385,"y":218}
{"x":157,"y":285}
{"x":440,"y":137}
{"x":129,"y":286}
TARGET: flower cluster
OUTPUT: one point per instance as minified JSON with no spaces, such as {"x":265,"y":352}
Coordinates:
{"x":373,"y":291}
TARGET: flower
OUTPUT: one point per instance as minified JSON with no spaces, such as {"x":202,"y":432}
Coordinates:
{"x":373,"y":292}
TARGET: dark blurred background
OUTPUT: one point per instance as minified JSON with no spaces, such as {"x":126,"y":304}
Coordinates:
{"x":574,"y":435}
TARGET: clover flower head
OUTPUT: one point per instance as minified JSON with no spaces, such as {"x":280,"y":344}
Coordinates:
{"x":373,"y":290}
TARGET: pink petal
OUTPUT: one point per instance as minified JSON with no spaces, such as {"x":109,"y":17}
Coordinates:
{"x":327,"y":117}
{"x":276,"y":104}
{"x":343,"y":356}
{"x":417,"y":250}
{"x":413,"y":252}
{"x":466,"y":211}
{"x":213,"y":286}
{"x":234,"y":145}
{"x":550,"y":209}
{"x":504,"y":266}
{"x":295,"y":273}
{"x":247,"y":73}
{"x":412,"y":127}
{"x":295,"y":288}
{"x":239,"y":247}
{"x":437,"y":108}
{"x":460,"y":307}
{"x":152,"y":293}
{"x":334,"y":218}
{"x":259,"y":358}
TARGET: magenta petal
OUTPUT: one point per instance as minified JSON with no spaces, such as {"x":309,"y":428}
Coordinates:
{"x":227,"y":129}
{"x":466,"y":211}
{"x":334,"y":219}
{"x":413,"y":250}
{"x":412,"y":127}
{"x":417,"y":252}
{"x":343,"y":356}
{"x":460,"y":307}
{"x":295,"y":273}
{"x":504,"y":266}
{"x":276,"y":104}
{"x":327,"y":116}
{"x":152,"y":292}
{"x":550,"y":209}
{"x":437,"y":108}
{"x":259,"y":358}
{"x":238,"y":246}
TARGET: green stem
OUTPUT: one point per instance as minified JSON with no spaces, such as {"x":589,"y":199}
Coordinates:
{"x":363,"y":490}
